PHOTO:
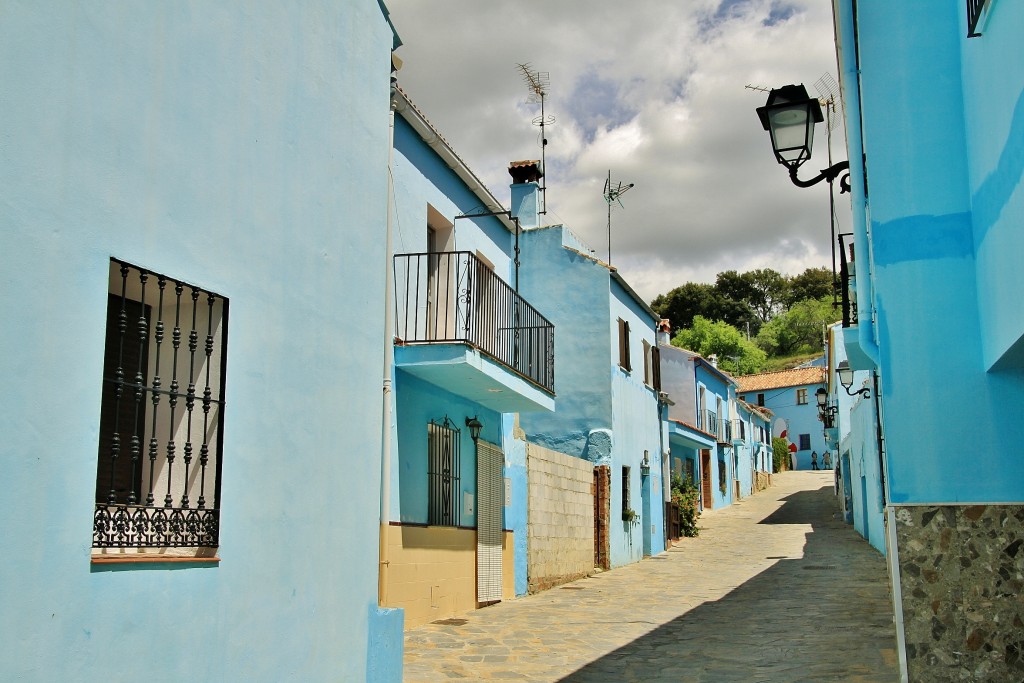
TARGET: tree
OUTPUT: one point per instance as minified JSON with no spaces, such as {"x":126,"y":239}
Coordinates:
{"x":735,"y":353}
{"x":798,"y":330}
{"x":684,"y":303}
{"x":813,"y":283}
{"x":770,"y":288}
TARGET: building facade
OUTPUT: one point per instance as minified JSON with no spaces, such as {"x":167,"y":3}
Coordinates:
{"x":933,"y":97}
{"x":789,"y":394}
{"x":204,"y":189}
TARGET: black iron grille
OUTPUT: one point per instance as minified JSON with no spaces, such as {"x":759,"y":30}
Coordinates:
{"x":443,"y":472}
{"x":159,"y":461}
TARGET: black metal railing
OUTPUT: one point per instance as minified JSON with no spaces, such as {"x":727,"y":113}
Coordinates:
{"x":849,"y":301}
{"x":975,"y":8}
{"x":455,"y":297}
{"x":725,"y":434}
{"x":161,"y":416}
{"x":708,"y":422}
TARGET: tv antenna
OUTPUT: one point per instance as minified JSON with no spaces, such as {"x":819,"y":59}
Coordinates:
{"x":828,"y":94}
{"x":612,"y":192}
{"x":537,"y":83}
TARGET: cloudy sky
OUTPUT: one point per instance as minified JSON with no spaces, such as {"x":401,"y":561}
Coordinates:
{"x":653,"y":91}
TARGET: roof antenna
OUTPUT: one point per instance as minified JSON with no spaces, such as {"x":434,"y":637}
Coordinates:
{"x":611,"y":195}
{"x":537,"y":83}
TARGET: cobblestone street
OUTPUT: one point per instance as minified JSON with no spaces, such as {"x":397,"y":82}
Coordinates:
{"x":775,"y":588}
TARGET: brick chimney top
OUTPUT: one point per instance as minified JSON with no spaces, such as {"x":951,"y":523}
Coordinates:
{"x":526,"y":171}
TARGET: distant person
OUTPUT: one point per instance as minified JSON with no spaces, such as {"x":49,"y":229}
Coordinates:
{"x":814,"y":460}
{"x":827,"y":458}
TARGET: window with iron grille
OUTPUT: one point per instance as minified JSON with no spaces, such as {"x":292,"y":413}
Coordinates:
{"x":162,"y":413}
{"x":805,"y":442}
{"x":624,"y":345}
{"x":625,"y":490}
{"x":443,"y":468}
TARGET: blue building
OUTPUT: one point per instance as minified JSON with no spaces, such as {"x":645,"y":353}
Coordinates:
{"x":851,"y":431}
{"x":469,"y":353}
{"x":789,"y":394}
{"x":176,"y":476}
{"x":701,"y":421}
{"x":934,"y":98}
{"x":607,"y":410}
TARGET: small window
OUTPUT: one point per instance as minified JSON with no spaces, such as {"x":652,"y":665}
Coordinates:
{"x":624,"y":345}
{"x":805,"y":442}
{"x":443,"y":467}
{"x":626,"y":509}
{"x":760,"y":399}
{"x":801,"y":397}
{"x":161,"y":413}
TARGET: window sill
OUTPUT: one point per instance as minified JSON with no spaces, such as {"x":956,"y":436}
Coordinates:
{"x":203,"y":555}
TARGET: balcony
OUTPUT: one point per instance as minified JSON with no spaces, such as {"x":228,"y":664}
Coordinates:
{"x":739,"y":431}
{"x":461,"y":327}
{"x":847,"y":284}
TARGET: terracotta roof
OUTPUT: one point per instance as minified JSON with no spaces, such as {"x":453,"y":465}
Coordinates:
{"x":782,"y":378}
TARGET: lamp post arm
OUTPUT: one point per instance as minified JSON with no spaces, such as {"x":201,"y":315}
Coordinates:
{"x":828,"y":174}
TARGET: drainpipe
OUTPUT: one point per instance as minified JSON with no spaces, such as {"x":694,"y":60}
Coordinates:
{"x":850,"y":68}
{"x":389,"y":324}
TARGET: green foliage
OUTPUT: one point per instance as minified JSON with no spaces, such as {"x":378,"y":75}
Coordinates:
{"x":813,"y":283}
{"x":798,"y":330}
{"x":686,"y":497}
{"x":735,"y":353}
{"x":683,"y":304}
{"x":780,"y":454}
{"x":770,"y":292}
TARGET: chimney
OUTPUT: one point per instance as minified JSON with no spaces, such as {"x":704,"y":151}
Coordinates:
{"x":713,"y":359}
{"x":664,"y":332}
{"x":526,"y":192}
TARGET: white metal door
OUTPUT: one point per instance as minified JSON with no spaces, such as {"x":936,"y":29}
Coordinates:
{"x":489,"y":496}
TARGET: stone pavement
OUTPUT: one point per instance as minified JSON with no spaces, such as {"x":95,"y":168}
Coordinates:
{"x":775,"y":588}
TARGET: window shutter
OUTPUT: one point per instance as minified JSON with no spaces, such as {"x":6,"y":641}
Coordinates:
{"x":656,"y":367}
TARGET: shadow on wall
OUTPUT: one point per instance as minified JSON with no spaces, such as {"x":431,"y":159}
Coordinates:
{"x":776,"y":626}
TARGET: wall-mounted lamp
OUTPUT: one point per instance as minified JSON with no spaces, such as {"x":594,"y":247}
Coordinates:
{"x":845,"y":373}
{"x":789,"y":116}
{"x":826,"y":412}
{"x":475,"y":426}
{"x":645,"y":464}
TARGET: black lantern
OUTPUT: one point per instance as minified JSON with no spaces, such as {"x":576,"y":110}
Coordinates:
{"x":789,"y":116}
{"x":645,"y":464}
{"x":474,"y":427}
{"x":821,"y":396}
{"x":845,"y":373}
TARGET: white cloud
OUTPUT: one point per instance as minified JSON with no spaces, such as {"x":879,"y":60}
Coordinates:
{"x":653,"y":91}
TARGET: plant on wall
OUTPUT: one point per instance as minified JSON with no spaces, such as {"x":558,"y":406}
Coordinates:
{"x":629,"y":516}
{"x":686,"y":497}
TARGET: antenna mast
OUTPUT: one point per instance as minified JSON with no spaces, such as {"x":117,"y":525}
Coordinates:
{"x":537,"y":83}
{"x":611,"y":195}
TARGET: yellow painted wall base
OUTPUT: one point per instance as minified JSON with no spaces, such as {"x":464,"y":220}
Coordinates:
{"x":431,"y":571}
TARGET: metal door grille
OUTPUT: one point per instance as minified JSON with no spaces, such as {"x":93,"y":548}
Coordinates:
{"x":443,"y":454}
{"x":489,"y":492}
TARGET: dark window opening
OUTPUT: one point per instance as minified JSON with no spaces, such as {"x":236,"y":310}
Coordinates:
{"x":805,"y":442}
{"x":161,"y":416}
{"x":443,"y":472}
{"x":624,"y":345}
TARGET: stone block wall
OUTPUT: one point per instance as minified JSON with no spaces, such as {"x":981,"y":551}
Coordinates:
{"x":962,"y":581}
{"x":762,"y":480}
{"x":560,"y":527}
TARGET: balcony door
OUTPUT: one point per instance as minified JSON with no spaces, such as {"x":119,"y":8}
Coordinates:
{"x":441,"y":315}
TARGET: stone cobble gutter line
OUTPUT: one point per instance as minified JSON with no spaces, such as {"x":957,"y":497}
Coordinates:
{"x":738,"y":603}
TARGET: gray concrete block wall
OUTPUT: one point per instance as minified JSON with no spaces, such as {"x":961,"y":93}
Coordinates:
{"x":560,"y":527}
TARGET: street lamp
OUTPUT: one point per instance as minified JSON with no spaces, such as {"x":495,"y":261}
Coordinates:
{"x":845,"y":373}
{"x":474,"y":427}
{"x":789,"y":116}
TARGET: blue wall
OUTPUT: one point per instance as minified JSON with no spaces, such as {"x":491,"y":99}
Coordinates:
{"x":241,"y":148}
{"x":801,"y":418}
{"x":946,"y":206}
{"x":572,"y":291}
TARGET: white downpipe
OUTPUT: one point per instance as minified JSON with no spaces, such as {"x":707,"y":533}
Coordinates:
{"x":892,"y":556}
{"x":389,"y":323}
